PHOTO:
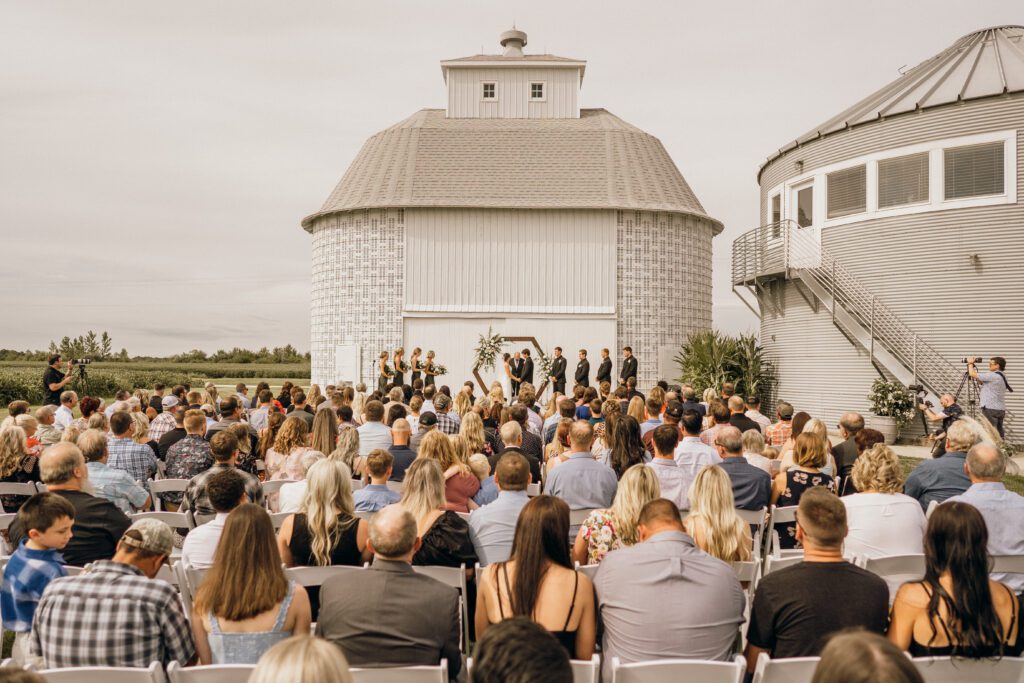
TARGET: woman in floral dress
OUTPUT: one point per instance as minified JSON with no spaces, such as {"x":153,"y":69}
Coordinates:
{"x":607,"y":530}
{"x":809,"y":456}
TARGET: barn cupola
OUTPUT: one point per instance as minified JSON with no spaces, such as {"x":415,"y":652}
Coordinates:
{"x":513,"y":84}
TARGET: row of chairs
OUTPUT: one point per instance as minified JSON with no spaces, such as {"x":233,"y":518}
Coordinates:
{"x":797,"y":670}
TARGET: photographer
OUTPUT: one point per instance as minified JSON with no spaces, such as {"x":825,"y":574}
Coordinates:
{"x":949,"y":414}
{"x":54,"y":380}
{"x":993,"y":389}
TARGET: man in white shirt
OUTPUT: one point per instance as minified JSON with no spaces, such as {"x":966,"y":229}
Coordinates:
{"x":429,"y":392}
{"x":226,"y":491}
{"x":493,"y":526}
{"x":65,"y":414}
{"x":675,"y":480}
{"x":372,"y":433}
{"x":754,"y":412}
{"x":692,"y":454}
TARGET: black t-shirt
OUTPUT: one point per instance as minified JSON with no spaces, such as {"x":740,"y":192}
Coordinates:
{"x":52,"y":376}
{"x":797,"y":608}
{"x":169,"y":439}
{"x":98,"y":526}
{"x":157,"y":403}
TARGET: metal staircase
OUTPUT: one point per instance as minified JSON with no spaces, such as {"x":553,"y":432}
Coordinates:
{"x":784,"y":250}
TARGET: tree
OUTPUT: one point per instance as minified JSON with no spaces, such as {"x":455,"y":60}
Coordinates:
{"x":105,"y":345}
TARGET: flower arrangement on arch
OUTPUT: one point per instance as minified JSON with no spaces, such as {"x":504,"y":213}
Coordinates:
{"x":487,"y":350}
{"x":544,"y":362}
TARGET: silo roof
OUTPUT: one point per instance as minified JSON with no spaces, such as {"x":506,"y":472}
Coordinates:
{"x":596,"y":161}
{"x":985,"y":63}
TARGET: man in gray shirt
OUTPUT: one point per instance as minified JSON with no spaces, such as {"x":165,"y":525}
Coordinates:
{"x":665,"y":598}
{"x":493,"y":526}
{"x":993,"y":390}
{"x":581,"y":481}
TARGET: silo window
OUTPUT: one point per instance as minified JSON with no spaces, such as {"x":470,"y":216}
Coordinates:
{"x":536,"y":91}
{"x":903,"y":180}
{"x":847,"y":191}
{"x":490,"y":91}
{"x":776,"y":216}
{"x":805,"y":206}
{"x":974,"y":170}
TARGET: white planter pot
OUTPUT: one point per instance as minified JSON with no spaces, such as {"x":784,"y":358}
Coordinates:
{"x":886,"y":425}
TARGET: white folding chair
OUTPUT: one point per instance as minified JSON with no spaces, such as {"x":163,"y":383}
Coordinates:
{"x":218,"y":673}
{"x":1001,"y":564}
{"x":781,"y":515}
{"x":533,"y":489}
{"x":41,"y":487}
{"x":588,"y":570}
{"x":315,"y":576}
{"x":161,"y":469}
{"x":357,"y":484}
{"x":959,"y":670}
{"x":274,"y":485}
{"x":773,"y":563}
{"x":463,"y":515}
{"x":165,"y":486}
{"x":407,"y":674}
{"x":748,"y":572}
{"x":456,"y":578}
{"x":189,"y":579}
{"x":6,"y":518}
{"x":199,"y":519}
{"x":15,"y":489}
{"x":757,"y":519}
{"x":577,"y":517}
{"x":895,"y":569}
{"x":675,"y":670}
{"x":277,"y":518}
{"x":175,"y":520}
{"x":398,"y":486}
{"x":586,"y":670}
{"x":73,"y":571}
{"x":794,"y":670}
{"x":105,"y":674}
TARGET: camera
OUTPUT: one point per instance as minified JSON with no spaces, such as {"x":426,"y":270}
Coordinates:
{"x":81,"y":361}
{"x":916,"y":388}
{"x":972,"y":359}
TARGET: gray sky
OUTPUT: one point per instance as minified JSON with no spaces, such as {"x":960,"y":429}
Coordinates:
{"x":156,"y":158}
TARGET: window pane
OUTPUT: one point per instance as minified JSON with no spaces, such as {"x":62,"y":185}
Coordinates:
{"x":776,"y":209}
{"x":903,"y":180}
{"x":974,"y":171}
{"x":805,"y":206}
{"x":488,"y":90}
{"x":847,"y":191}
{"x":536,"y":90}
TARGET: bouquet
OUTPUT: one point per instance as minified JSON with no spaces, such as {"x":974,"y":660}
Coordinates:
{"x":440,"y":370}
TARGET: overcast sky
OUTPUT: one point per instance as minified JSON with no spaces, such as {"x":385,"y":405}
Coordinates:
{"x":156,"y":157}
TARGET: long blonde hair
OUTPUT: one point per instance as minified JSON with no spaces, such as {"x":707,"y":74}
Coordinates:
{"x":423,"y":492}
{"x":636,"y":409}
{"x":461,"y":403}
{"x":712,"y":502}
{"x":328,"y":495}
{"x":348,"y":449}
{"x":472,"y":429}
{"x":638,"y":487}
{"x":497,"y":393}
{"x":438,"y":447}
{"x":314,"y":395}
{"x":325,"y":431}
{"x":292,"y":435}
{"x":13,"y":450}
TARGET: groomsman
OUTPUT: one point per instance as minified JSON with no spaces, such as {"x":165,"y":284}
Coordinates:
{"x":526,"y":370}
{"x":516,"y":366}
{"x":558,"y":371}
{"x":628,"y":365}
{"x":604,"y":370}
{"x":583,"y":370}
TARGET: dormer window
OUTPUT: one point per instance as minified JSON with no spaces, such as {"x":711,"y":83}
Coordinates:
{"x":537,"y":91}
{"x":490,"y":90}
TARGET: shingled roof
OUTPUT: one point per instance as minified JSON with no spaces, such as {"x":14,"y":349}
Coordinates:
{"x":597,"y":161}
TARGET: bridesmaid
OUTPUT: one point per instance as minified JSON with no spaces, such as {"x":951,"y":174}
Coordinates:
{"x":415,"y":365}
{"x":400,"y":367}
{"x":428,"y":369}
{"x":385,"y":373}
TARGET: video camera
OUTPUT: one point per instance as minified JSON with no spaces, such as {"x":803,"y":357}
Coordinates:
{"x":920,"y":391}
{"x":972,"y":359}
{"x":81,"y":361}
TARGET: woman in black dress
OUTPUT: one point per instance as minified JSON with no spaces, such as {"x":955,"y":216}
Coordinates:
{"x":384,"y":373}
{"x":809,"y":455}
{"x":445,"y":535}
{"x":415,"y":365}
{"x":428,"y":369}
{"x":398,"y":379}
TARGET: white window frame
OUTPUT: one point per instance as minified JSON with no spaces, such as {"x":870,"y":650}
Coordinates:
{"x":544,"y":90}
{"x":488,"y":99}
{"x":936,"y":181}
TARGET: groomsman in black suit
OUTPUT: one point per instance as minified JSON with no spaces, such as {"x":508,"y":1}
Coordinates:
{"x":526,"y":371}
{"x":604,"y":370}
{"x":582,"y":376}
{"x":558,"y":371}
{"x":628,"y":365}
{"x":516,"y":366}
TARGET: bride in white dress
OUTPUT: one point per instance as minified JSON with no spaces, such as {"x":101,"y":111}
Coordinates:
{"x":506,"y":379}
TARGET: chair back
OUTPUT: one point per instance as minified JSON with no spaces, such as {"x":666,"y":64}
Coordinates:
{"x":456,"y":578}
{"x":795,"y":670}
{"x":949,"y":670}
{"x":8,"y":488}
{"x":464,"y":516}
{"x":274,"y":485}
{"x":278,"y":518}
{"x":6,"y":519}
{"x":586,"y":670}
{"x":406,"y":674}
{"x":175,"y":520}
{"x":895,"y":569}
{"x":780,"y":515}
{"x":398,"y":486}
{"x":757,"y":519}
{"x":72,"y":570}
{"x":675,"y":670}
{"x":41,"y":487}
{"x":1001,"y":564}
{"x":105,"y":674}
{"x":776,"y":563}
{"x":217,"y":673}
{"x":577,"y":517}
{"x":357,"y":484}
{"x":588,"y":570}
{"x":315,"y":576}
{"x":533,"y":489}
{"x":156,"y":486}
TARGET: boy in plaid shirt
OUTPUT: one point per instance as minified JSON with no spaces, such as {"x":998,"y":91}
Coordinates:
{"x":47,"y":520}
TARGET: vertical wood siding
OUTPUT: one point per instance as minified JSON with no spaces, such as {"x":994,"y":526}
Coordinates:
{"x":513,"y":87}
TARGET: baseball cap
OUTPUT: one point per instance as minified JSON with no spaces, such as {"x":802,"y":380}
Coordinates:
{"x":429,"y":419}
{"x":151,"y":535}
{"x":785,"y":411}
{"x":169,"y":401}
{"x":674,"y":410}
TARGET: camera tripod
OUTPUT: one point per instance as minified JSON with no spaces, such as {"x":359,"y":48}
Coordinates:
{"x":966,"y":381}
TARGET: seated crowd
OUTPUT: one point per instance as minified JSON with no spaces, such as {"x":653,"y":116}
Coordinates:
{"x":654,"y":492}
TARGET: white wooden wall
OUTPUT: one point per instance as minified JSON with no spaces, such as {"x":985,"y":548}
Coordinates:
{"x":561,"y":101}
{"x":500,"y":261}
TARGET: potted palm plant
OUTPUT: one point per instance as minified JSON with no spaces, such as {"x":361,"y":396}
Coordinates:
{"x":892,"y":406}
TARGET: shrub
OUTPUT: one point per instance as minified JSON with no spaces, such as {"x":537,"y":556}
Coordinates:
{"x":710,"y":359}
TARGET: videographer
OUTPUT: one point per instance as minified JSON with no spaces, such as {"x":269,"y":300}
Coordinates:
{"x":949,"y":414}
{"x":993,"y":389}
{"x":54,"y":380}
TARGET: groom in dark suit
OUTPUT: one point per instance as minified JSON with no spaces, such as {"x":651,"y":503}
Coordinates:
{"x":582,"y":375}
{"x":558,"y":371}
{"x":604,"y":370}
{"x":526,"y":371}
{"x":516,"y":366}
{"x":628,"y":365}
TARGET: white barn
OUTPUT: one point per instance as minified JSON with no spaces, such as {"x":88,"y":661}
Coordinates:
{"x":513,"y":209}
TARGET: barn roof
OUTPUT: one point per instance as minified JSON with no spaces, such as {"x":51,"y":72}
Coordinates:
{"x":597,"y":161}
{"x":985,"y":63}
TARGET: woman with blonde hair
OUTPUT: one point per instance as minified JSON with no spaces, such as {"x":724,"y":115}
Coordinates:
{"x":302,"y":659}
{"x":359,"y":401}
{"x":818,"y":428}
{"x":881,"y":519}
{"x":809,"y":456}
{"x":472,"y":428}
{"x":753,"y":451}
{"x":237,"y":616}
{"x":97,"y":420}
{"x":428,"y":369}
{"x":140,"y":432}
{"x":292,"y":442}
{"x":636,"y":409}
{"x":615,"y":527}
{"x":713,"y":522}
{"x":314,"y":396}
{"x":557,"y":452}
{"x":384,"y":373}
{"x":325,"y":431}
{"x":347,"y":452}
{"x":445,"y":539}
{"x":325,"y":531}
{"x":611,"y":411}
{"x":462,"y":404}
{"x":400,"y":366}
{"x":497,"y":392}
{"x":246,"y":459}
{"x":415,"y":366}
{"x":17,"y":466}
{"x":460,"y":483}
{"x":211,"y":397}
{"x":269,"y":434}
{"x":707,"y":397}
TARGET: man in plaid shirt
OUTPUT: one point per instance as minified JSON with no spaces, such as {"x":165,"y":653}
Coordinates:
{"x":447,"y":423}
{"x":224,"y":446}
{"x":779,"y":433}
{"x":164,"y":422}
{"x":125,"y":454}
{"x":116,"y":614}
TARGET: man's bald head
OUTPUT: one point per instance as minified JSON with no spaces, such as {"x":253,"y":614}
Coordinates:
{"x":736,"y":404}
{"x":985,"y":463}
{"x":730,"y":439}
{"x":59,"y":463}
{"x":581,"y":436}
{"x":393,"y":533}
